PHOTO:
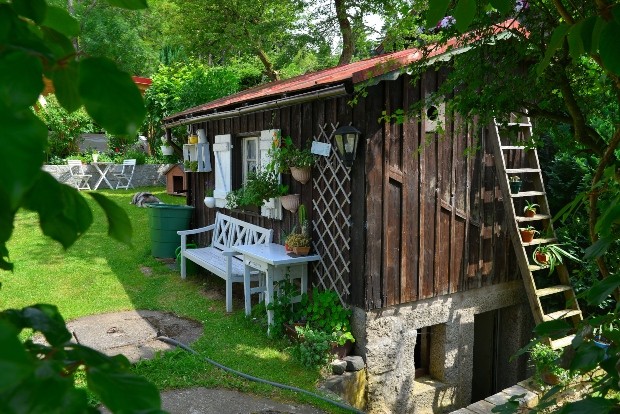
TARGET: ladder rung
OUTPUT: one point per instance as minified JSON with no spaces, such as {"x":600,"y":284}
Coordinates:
{"x":562,"y":314}
{"x":534,"y":268}
{"x":552,"y":290}
{"x":562,"y":342}
{"x":539,"y":241}
{"x":521,"y":219}
{"x":527,"y":194}
{"x":521,"y":170}
{"x":513,"y":147}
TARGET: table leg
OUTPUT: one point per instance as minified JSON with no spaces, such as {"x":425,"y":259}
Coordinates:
{"x":269,"y":296}
{"x":105,"y":172}
{"x":304,"y":278}
{"x":246,"y":289}
{"x":101,"y":176}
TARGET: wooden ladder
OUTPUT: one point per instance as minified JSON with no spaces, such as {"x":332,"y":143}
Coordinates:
{"x":509,"y":142}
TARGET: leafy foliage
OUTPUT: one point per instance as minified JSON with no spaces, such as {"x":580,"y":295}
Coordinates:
{"x":260,"y":186}
{"x":41,"y":378}
{"x":65,"y":128}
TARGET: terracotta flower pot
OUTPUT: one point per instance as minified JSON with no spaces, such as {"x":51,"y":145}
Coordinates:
{"x":530,"y":213}
{"x":301,"y":251}
{"x":541,"y":258}
{"x":302,"y":175}
{"x":290,"y":202}
{"x":527,"y":235}
{"x":341,"y":351}
{"x":286,"y":248}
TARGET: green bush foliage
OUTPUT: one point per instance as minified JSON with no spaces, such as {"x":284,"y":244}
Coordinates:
{"x":65,"y":128}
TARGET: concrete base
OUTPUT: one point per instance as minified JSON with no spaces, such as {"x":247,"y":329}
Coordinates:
{"x":386,"y":339}
{"x":350,"y":386}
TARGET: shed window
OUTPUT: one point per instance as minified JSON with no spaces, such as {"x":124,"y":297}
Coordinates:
{"x":422,"y":352}
{"x":250,"y":156}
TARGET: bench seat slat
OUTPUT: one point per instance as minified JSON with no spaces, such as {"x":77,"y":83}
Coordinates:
{"x":212,"y":259}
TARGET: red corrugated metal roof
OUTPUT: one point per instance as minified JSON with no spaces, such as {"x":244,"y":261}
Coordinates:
{"x":355,"y":72}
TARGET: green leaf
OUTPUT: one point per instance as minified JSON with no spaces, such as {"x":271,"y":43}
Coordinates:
{"x":92,"y":357}
{"x":23,"y":137}
{"x":553,"y":328}
{"x":15,"y":363}
{"x":584,"y":31}
{"x":60,"y":20}
{"x":47,"y":320}
{"x":602,"y":289}
{"x":608,"y":219}
{"x":436,"y":12}
{"x":66,"y":86}
{"x":118,"y":221}
{"x":586,"y":357}
{"x":67,"y":218}
{"x":594,"y":405}
{"x":32,"y":9}
{"x":464,"y":14}
{"x":615,"y":11}
{"x":504,"y":6}
{"x":110,"y":96}
{"x":21,"y":77}
{"x":598,"y":248}
{"x":129,"y":4}
{"x":608,"y":46}
{"x":123,"y":392}
{"x":557,"y":37}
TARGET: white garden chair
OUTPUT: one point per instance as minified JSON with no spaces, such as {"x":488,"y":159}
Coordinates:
{"x":78,"y":176}
{"x":125,"y":174}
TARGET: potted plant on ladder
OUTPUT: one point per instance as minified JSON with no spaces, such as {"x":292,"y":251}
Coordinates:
{"x":530,"y":209}
{"x":550,"y":255}
{"x":528,"y":233}
{"x":515,"y":184}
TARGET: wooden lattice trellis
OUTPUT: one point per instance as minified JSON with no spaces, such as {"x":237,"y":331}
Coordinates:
{"x":331,"y":214}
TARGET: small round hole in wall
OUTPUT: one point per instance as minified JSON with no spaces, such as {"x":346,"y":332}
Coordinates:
{"x":432,"y":113}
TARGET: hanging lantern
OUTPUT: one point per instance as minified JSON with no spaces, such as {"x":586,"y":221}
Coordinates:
{"x":347,"y":138}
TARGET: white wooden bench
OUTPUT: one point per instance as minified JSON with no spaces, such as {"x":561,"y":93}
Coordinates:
{"x":219,"y":258}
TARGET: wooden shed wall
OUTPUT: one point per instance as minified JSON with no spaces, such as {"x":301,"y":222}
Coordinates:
{"x":433,"y":206}
{"x":426,"y":217}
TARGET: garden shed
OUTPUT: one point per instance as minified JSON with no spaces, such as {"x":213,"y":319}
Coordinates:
{"x":411,"y":236}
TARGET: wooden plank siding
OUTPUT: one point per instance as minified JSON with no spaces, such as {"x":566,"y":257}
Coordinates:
{"x":426,"y":210}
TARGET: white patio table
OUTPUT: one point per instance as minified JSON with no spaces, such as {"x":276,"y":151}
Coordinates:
{"x":273,"y":260}
{"x":102,"y":174}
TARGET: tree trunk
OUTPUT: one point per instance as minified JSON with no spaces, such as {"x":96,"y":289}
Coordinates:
{"x":348,"y":46}
{"x":269,"y":70}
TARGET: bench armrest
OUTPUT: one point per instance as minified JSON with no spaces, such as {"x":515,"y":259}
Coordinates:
{"x":230,"y":252}
{"x":196,"y":231}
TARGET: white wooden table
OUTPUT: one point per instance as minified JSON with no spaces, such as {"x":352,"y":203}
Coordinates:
{"x":275,"y":263}
{"x":102,"y":174}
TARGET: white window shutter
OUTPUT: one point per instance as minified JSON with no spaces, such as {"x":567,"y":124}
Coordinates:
{"x":223,"y":174}
{"x":272,"y":209}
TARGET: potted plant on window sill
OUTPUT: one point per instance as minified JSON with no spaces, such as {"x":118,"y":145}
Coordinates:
{"x":260,"y":187}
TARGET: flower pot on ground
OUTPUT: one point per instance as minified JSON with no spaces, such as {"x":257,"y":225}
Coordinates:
{"x":547,"y":364}
{"x":515,"y":184}
{"x":290,"y":202}
{"x":527,"y":233}
{"x":530,"y":209}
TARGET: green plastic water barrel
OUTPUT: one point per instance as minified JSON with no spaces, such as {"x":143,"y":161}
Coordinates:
{"x":165,"y":220}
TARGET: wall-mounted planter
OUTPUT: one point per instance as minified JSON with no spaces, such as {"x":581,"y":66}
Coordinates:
{"x":290,"y":202}
{"x":167,"y":150}
{"x":209,"y":202}
{"x":302,"y":175}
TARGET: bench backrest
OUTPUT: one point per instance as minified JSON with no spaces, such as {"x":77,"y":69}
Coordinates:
{"x":230,"y":231}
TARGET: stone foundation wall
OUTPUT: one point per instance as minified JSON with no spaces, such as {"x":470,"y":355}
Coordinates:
{"x":386,"y":339}
{"x":146,"y":175}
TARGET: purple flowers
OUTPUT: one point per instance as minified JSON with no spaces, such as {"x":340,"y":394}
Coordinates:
{"x":446,"y":22}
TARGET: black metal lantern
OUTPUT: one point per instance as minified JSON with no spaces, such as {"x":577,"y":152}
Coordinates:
{"x":347,"y":138}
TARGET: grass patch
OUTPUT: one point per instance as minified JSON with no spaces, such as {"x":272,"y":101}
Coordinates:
{"x":99,"y":274}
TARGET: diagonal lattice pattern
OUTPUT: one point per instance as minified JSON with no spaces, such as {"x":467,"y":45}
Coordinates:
{"x":331,"y":205}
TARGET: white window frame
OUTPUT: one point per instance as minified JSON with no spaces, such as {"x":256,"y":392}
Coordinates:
{"x":244,"y":156}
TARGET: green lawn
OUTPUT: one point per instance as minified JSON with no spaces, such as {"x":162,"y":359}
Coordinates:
{"x":99,"y":274}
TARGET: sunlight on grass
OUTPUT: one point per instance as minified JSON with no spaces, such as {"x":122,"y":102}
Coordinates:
{"x":99,"y":274}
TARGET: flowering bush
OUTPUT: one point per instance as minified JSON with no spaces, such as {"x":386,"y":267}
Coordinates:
{"x":446,"y":22}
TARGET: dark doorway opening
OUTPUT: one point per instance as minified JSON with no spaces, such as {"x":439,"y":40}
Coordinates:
{"x":486,"y":341}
